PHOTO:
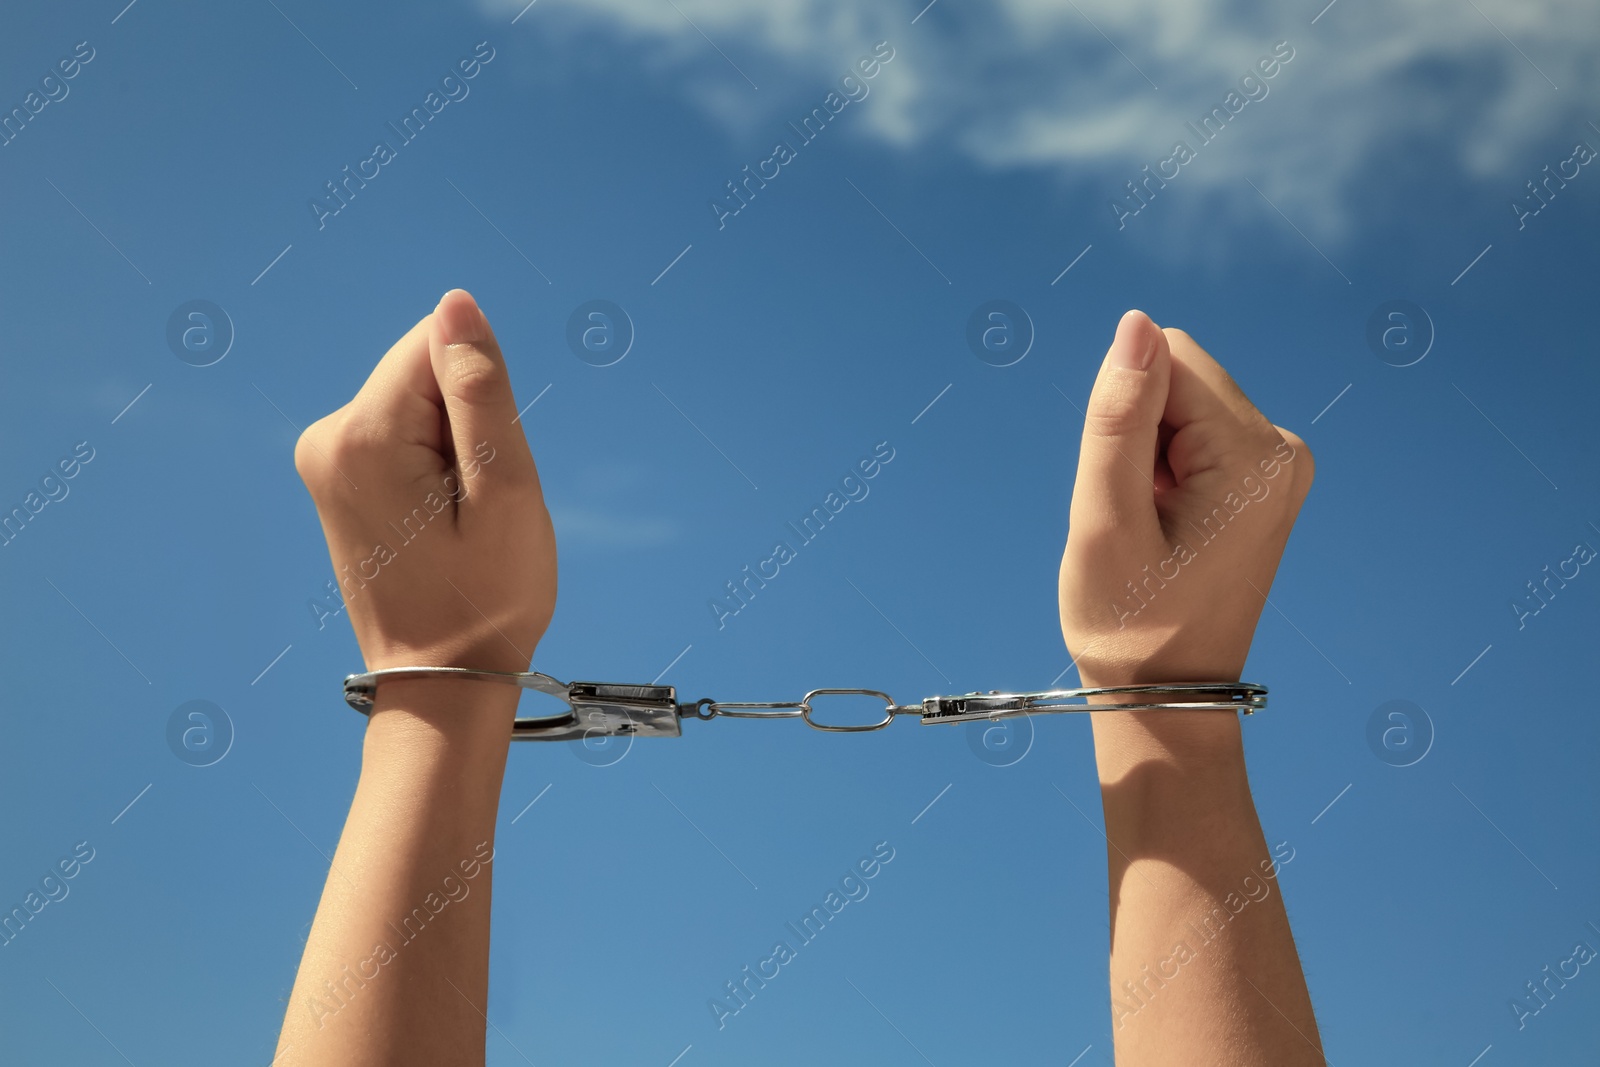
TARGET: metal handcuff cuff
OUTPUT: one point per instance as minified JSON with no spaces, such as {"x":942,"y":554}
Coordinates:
{"x":606,"y":709}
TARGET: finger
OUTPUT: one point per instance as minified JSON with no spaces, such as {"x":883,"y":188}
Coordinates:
{"x":476,"y":386}
{"x":1201,"y":389}
{"x":1214,"y":425}
{"x":1121,"y":431}
{"x":398,"y":405}
{"x":400,"y":399}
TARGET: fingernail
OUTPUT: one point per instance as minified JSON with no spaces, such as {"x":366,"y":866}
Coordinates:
{"x":460,"y":319}
{"x":1135,"y":343}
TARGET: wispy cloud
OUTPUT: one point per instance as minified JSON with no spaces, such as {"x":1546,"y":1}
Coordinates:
{"x":1070,"y":88}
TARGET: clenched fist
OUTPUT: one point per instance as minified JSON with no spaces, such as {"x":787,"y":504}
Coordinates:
{"x":431,"y":505}
{"x":1184,"y":500}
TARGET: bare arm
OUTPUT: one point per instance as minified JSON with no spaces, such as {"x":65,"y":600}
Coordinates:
{"x":1183,"y":505}
{"x":437,"y":529}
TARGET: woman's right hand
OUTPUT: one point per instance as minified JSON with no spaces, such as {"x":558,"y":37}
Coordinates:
{"x":1183,"y":504}
{"x":431,"y":505}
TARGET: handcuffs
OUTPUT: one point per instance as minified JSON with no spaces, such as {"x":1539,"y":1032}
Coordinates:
{"x":608,"y":709}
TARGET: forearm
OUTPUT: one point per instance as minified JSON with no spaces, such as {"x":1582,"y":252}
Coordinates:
{"x":396,"y":968}
{"x":1203,"y":964}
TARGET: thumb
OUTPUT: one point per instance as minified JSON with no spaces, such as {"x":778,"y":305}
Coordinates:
{"x":1121,"y":432}
{"x":473,"y":382}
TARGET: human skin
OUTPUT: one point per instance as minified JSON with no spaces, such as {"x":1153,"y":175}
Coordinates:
{"x":475,"y":588}
{"x":1168,"y":436}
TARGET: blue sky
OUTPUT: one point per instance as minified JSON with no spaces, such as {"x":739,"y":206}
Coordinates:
{"x":769,"y":355}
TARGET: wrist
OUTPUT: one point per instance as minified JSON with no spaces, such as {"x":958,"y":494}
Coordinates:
{"x":1203,"y":744}
{"x":496,"y":653}
{"x":433,"y":762}
{"x":1209,"y":739}
{"x":441,"y":718}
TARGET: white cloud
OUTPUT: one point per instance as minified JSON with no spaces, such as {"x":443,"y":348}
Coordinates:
{"x":1031,"y":83}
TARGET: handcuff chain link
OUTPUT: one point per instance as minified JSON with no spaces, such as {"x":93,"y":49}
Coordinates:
{"x":707,"y":709}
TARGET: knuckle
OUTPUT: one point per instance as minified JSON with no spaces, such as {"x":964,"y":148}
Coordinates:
{"x":1114,"y":408}
{"x":1111,"y":420}
{"x":305,"y":450}
{"x":323,"y":449}
{"x":1304,"y":463}
{"x":475,"y":377}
